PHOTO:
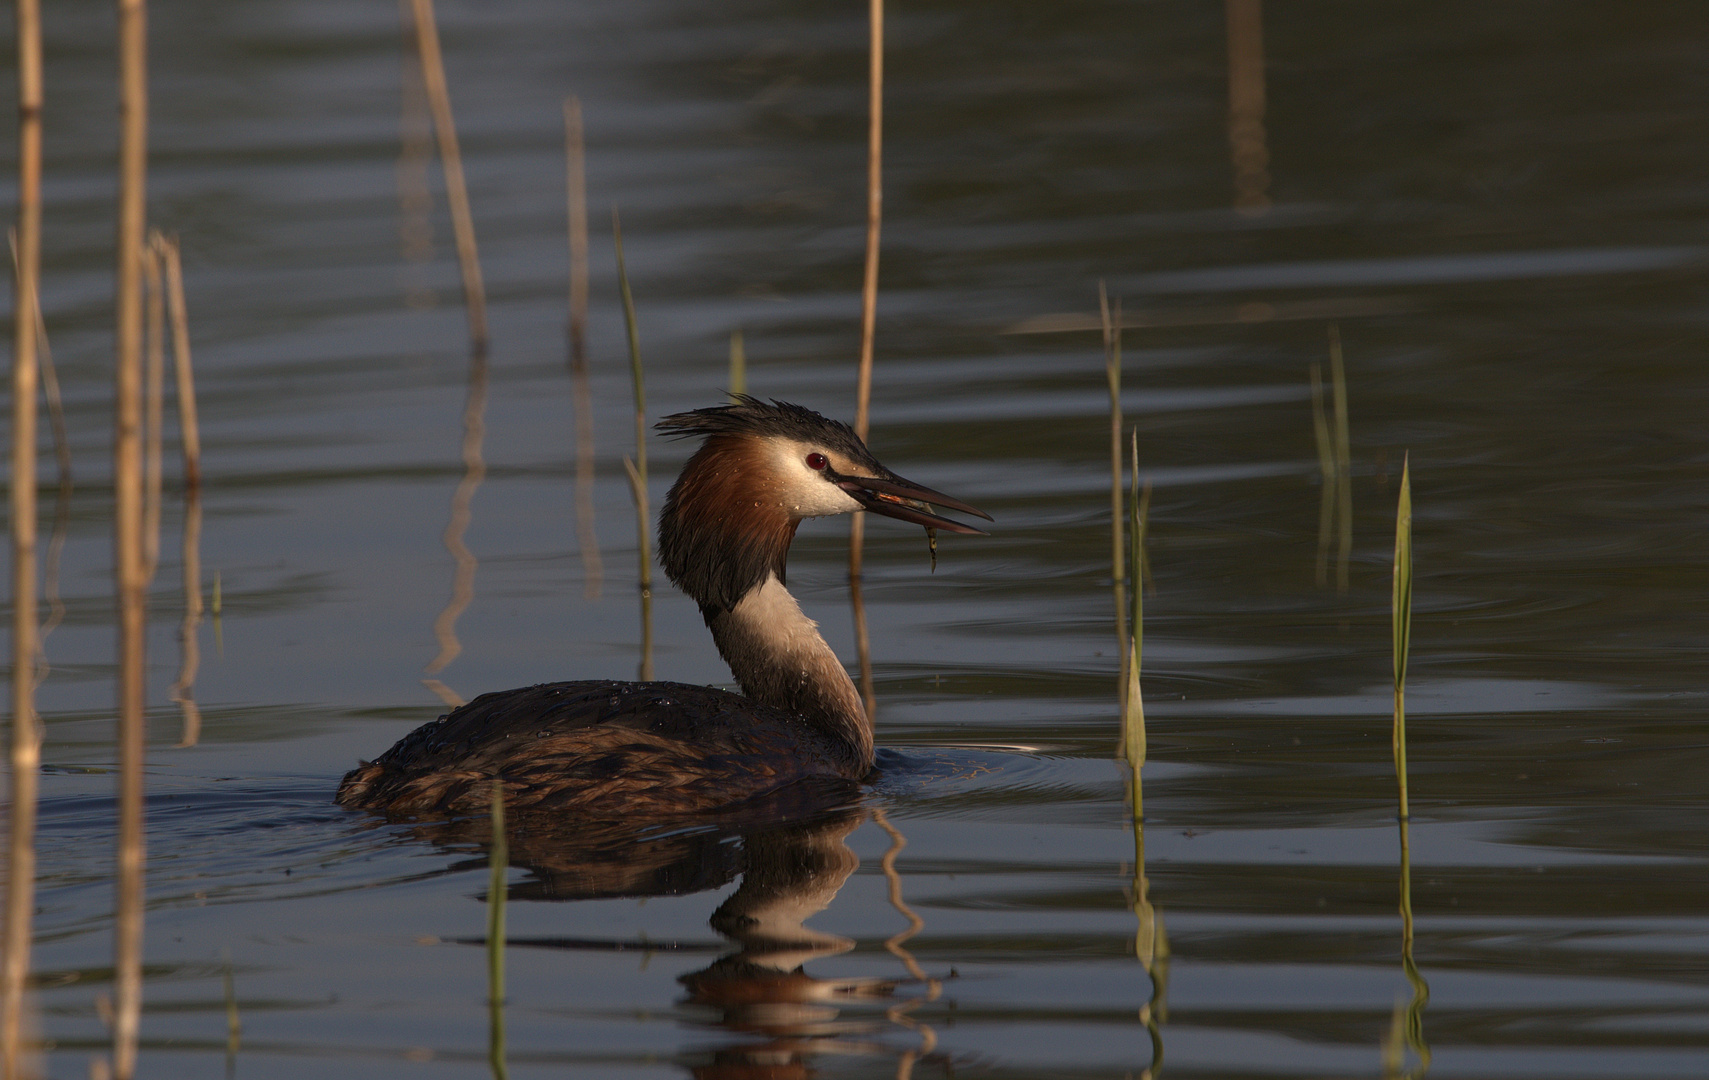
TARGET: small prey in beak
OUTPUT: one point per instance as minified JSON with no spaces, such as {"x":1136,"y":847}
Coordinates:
{"x":905,"y":500}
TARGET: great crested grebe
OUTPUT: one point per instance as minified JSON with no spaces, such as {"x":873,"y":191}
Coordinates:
{"x":664,"y":747}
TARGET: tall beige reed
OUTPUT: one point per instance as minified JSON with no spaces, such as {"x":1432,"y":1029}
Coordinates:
{"x":868,"y":325}
{"x":451,"y":162}
{"x":26,"y":736}
{"x":575,"y":193}
{"x":189,"y":430}
{"x":128,"y":542}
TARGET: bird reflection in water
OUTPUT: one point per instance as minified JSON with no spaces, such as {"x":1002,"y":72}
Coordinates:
{"x":791,"y":853}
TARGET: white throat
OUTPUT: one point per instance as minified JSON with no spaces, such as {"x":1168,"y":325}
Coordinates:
{"x":778,"y":656}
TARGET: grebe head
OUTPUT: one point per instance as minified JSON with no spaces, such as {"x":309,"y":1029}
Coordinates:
{"x":730,"y":517}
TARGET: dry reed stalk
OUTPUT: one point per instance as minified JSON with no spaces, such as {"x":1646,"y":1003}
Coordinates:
{"x":868,"y":319}
{"x":415,"y":198}
{"x":575,"y":195}
{"x":189,"y":430}
{"x":190,"y":445}
{"x":130,"y":572}
{"x":1343,"y":460}
{"x":44,"y":364}
{"x":863,"y":644}
{"x":26,"y":734}
{"x":738,"y":365}
{"x":463,"y":579}
{"x":154,"y":391}
{"x":1246,"y":106}
{"x":1111,"y":316}
{"x":190,"y":652}
{"x":575,"y":170}
{"x":874,"y":217}
{"x":451,"y":162}
{"x":62,"y":498}
{"x":638,"y":492}
{"x":637,"y":469}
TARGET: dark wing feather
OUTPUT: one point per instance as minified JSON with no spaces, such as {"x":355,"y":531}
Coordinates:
{"x":613,"y":747}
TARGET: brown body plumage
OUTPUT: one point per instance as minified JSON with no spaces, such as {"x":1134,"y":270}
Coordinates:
{"x":658,"y":748}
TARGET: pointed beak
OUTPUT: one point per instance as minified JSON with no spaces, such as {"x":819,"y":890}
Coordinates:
{"x":905,"y":500}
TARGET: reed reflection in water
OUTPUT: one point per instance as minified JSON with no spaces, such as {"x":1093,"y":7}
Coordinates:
{"x":462,"y":501}
{"x":1408,"y":1033}
{"x":1246,"y":105}
{"x":791,"y":853}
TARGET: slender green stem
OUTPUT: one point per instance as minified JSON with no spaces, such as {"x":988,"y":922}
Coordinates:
{"x":1343,"y":461}
{"x":1111,"y":316}
{"x":1325,"y":466}
{"x":1133,"y":706}
{"x":1402,"y":609}
{"x":638,"y":468}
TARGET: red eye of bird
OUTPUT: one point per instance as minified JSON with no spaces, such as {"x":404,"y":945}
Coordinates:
{"x":816,"y":460}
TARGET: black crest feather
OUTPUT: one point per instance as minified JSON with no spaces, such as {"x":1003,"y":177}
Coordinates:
{"x":751,"y":416}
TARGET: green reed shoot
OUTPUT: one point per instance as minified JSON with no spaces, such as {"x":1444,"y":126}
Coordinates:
{"x":1402,"y":612}
{"x":498,"y":860}
{"x":738,"y":366}
{"x":637,"y":472}
{"x":1133,"y":707}
{"x":1111,"y":317}
{"x":1150,"y":945}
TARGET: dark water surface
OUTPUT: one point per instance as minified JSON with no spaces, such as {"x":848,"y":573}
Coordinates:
{"x":1508,"y":202}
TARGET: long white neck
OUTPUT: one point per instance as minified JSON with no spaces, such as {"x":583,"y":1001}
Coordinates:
{"x":779,"y":658}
